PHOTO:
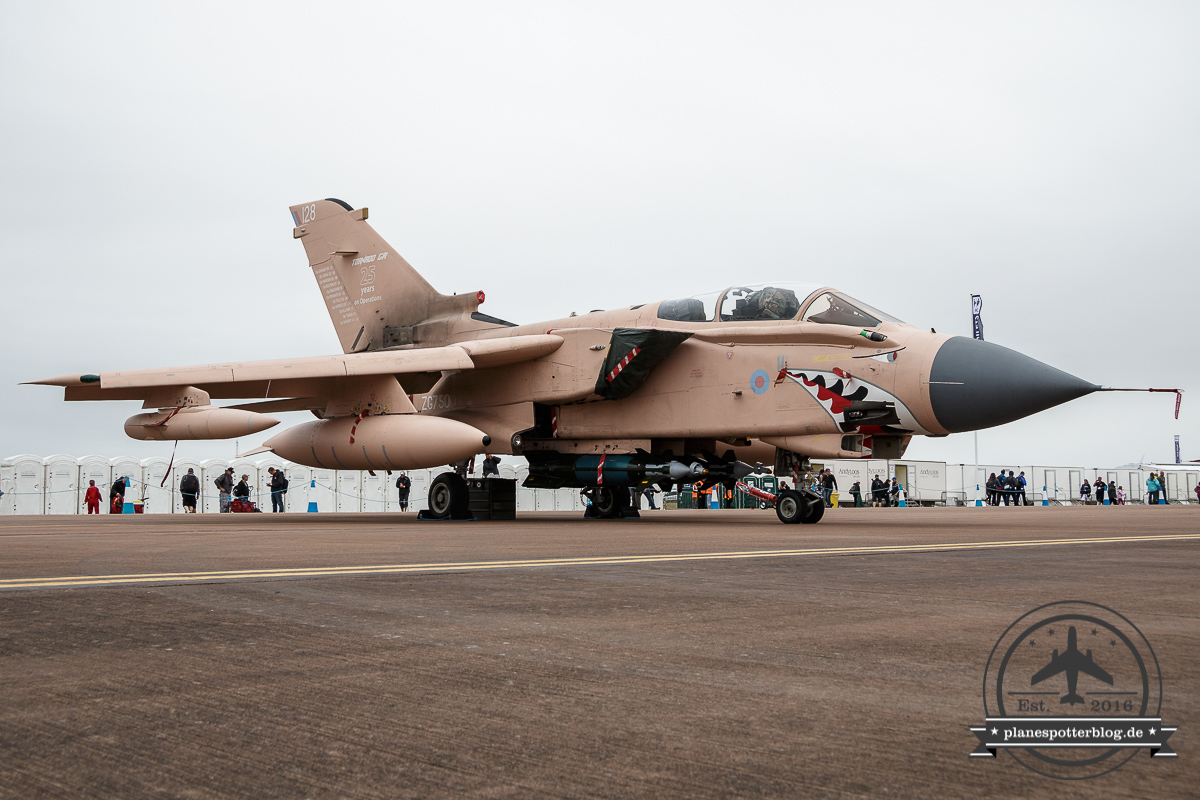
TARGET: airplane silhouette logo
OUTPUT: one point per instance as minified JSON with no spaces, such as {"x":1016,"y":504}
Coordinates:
{"x":1071,"y":662}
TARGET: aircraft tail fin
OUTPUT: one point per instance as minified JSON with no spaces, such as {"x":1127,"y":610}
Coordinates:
{"x":1071,"y":698}
{"x":374,"y":297}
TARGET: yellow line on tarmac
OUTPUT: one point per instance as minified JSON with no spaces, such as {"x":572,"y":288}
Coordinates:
{"x":84,"y":581}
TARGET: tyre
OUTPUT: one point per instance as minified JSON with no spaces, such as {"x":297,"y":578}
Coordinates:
{"x":606,"y":502}
{"x":624,"y":503}
{"x":448,"y":496}
{"x":814,"y":510}
{"x":789,"y":507}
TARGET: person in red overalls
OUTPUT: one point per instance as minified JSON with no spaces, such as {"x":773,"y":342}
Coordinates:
{"x":92,"y":498}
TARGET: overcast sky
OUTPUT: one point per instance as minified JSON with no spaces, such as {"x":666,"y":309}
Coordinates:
{"x":564,"y":156}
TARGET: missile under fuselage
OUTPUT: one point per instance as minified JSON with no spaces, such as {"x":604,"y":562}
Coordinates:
{"x":626,"y":470}
{"x":388,"y":441}
{"x":196,"y":422}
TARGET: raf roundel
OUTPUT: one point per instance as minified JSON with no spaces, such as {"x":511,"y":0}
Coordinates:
{"x":760,"y":381}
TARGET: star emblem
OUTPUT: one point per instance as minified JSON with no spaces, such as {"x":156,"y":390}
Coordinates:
{"x":1151,"y":731}
{"x":1051,"y":631}
{"x":996,"y":731}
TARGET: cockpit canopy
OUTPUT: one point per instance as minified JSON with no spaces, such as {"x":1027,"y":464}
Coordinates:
{"x":773,"y":302}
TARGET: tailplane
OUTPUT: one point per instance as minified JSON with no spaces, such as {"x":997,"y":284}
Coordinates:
{"x":374,"y":297}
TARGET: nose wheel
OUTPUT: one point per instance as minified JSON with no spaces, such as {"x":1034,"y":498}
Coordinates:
{"x":610,"y":503}
{"x":794,"y":507}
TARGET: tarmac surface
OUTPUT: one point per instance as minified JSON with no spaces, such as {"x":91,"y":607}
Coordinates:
{"x":688,"y":654}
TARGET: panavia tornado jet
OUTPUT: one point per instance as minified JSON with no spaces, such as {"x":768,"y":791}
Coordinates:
{"x":699,"y":390}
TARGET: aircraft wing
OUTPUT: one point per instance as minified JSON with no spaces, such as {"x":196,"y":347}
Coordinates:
{"x":1055,"y":666}
{"x":1090,"y":667}
{"x":299,"y":377}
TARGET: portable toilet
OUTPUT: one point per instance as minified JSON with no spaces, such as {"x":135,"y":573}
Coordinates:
{"x":418,"y":492}
{"x":158,"y":491}
{"x":263,"y":486}
{"x":564,"y":498}
{"x":63,"y":495}
{"x":349,"y":490}
{"x":527,"y":499}
{"x":6,"y":486}
{"x":98,"y":469}
{"x":317,"y":486}
{"x":244,"y":466}
{"x":130,"y":469}
{"x":298,"y":478}
{"x":769,"y":483}
{"x":379,"y":492}
{"x":210,"y":499}
{"x":28,"y":475}
{"x":178,"y":470}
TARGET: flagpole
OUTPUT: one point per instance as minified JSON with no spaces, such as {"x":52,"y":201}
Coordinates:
{"x":978,"y":502}
{"x":977,"y":332}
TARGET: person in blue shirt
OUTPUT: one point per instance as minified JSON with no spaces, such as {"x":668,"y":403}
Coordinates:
{"x":1152,"y":487}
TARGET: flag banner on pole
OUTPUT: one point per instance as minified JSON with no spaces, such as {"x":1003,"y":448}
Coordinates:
{"x":976,"y":318}
{"x":1177,"y":459}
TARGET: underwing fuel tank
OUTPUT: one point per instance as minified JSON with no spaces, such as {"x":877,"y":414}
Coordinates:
{"x":389,"y":441}
{"x":196,"y":422}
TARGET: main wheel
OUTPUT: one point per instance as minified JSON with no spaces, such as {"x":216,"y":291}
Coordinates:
{"x":448,"y":496}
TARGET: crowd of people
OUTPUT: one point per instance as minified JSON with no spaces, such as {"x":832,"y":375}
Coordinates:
{"x":1156,"y":491}
{"x":1002,"y":489}
{"x":1006,"y":489}
{"x":1115,"y":494}
{"x":883,"y":492}
{"x":232,"y":496}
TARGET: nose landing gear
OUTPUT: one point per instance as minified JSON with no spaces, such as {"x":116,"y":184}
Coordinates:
{"x":609,"y":502}
{"x":804,"y":506}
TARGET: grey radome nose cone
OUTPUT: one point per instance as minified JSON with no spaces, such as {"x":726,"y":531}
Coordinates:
{"x":975,"y":384}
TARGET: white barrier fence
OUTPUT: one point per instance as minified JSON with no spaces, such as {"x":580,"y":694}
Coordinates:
{"x":58,"y":485}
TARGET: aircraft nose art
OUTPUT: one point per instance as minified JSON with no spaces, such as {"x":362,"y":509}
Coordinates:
{"x":975,"y":384}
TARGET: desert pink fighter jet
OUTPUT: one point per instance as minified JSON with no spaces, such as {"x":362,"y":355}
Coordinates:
{"x":699,"y":390}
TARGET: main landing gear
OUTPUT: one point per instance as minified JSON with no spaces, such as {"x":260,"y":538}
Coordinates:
{"x":804,"y":506}
{"x":449,"y":497}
